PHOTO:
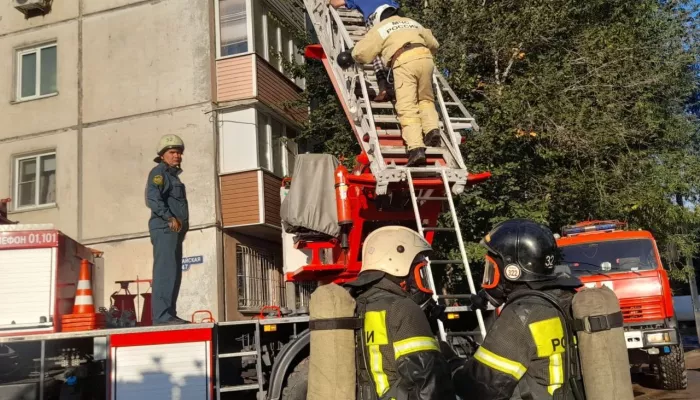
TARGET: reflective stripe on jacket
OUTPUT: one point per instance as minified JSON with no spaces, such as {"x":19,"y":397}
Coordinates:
{"x":399,"y":358}
{"x":522,"y":356}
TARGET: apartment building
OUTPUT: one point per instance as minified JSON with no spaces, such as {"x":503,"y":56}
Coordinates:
{"x":88,"y":87}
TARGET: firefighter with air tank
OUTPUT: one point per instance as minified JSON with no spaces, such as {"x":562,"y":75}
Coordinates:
{"x":527,"y":353}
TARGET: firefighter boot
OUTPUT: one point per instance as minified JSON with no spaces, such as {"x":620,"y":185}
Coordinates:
{"x":385,"y":92}
{"x":432,"y":138}
{"x":416,"y":157}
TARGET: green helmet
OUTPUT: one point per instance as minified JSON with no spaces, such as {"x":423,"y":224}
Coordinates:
{"x":168,"y":142}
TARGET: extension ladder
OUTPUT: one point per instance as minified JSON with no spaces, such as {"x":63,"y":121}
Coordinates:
{"x":377,"y":130}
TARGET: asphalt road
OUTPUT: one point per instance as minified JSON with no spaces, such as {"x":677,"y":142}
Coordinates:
{"x":644,"y":391}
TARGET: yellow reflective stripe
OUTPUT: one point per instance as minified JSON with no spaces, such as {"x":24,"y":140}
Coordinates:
{"x":548,"y":336}
{"x":550,"y":341}
{"x":380,"y":378}
{"x":375,"y":328}
{"x":556,"y":373}
{"x":376,"y":335}
{"x":499,"y":363}
{"x":414,"y":344}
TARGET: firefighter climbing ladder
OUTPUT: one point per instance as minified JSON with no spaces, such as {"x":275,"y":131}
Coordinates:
{"x":377,"y":129}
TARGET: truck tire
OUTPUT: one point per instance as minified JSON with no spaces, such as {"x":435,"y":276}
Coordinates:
{"x":297,"y":382}
{"x":671,"y":374}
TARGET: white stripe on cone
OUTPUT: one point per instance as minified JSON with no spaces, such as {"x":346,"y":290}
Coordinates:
{"x":83,"y":285}
{"x":81,"y":300}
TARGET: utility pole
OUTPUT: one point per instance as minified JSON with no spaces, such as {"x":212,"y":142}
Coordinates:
{"x":694,"y":296}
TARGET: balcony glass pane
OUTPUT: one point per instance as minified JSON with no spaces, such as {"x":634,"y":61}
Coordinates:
{"x":234,"y":27}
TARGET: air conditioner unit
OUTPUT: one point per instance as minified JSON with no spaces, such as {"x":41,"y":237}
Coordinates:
{"x":33,"y":6}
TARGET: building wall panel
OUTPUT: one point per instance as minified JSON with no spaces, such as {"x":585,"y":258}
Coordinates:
{"x":275,"y":90}
{"x":44,"y":114}
{"x":240,"y":203}
{"x":146,"y":58}
{"x":234,"y":78}
{"x":271,"y":191}
{"x":13,"y":20}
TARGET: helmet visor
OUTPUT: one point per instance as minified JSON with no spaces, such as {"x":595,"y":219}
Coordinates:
{"x":491,"y":274}
{"x":421,"y":279}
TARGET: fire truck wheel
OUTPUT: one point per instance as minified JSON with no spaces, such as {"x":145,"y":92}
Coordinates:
{"x":670,"y":370}
{"x":297,"y":382}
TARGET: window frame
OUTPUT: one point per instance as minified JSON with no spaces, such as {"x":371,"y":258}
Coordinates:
{"x":16,"y":181}
{"x":269,"y":151}
{"x":249,"y":28}
{"x":18,"y":82}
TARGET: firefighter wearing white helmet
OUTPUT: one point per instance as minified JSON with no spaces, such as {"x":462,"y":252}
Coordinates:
{"x":169,"y":222}
{"x":398,"y":355}
{"x":407,"y":49}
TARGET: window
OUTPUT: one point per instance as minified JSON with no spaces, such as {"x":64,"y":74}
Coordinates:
{"x":36,"y":72}
{"x":233,"y":25}
{"x":276,"y":150}
{"x":35,"y":180}
{"x":260,"y":282}
{"x":272,"y":40}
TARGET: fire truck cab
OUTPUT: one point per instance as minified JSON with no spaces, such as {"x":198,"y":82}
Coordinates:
{"x":606,"y":253}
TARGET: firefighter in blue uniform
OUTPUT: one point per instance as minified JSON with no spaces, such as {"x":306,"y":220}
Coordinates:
{"x":168,"y":225}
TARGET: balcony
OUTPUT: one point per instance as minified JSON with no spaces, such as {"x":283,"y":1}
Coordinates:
{"x":250,"y":204}
{"x":249,"y":79}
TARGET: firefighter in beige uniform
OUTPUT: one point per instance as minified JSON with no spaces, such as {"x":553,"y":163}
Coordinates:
{"x":407,"y":49}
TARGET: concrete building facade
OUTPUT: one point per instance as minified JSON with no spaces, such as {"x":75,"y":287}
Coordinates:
{"x":86,"y":90}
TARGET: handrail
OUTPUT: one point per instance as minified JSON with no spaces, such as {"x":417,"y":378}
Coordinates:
{"x":454,"y":148}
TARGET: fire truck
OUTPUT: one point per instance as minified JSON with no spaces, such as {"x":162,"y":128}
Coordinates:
{"x":265,"y":357}
{"x":606,"y":253}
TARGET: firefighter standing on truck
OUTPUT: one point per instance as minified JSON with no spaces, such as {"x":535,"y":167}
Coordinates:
{"x":398,"y":356}
{"x":407,"y":48}
{"x":168,"y":225}
{"x":523,"y":354}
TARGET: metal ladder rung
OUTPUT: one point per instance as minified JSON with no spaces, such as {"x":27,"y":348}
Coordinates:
{"x":445,"y":262}
{"x":431,"y":198}
{"x":401,"y":150}
{"x":436,"y":229}
{"x":239,"y":388}
{"x":239,"y":354}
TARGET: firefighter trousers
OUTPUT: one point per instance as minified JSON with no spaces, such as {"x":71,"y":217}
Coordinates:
{"x":167,"y":273}
{"x":415,"y":100}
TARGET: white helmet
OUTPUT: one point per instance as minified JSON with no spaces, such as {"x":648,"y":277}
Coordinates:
{"x":167,"y":142}
{"x":376,"y":16}
{"x":392,"y":249}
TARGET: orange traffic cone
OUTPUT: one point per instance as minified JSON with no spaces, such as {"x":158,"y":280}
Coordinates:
{"x":83,"y":317}
{"x":83,"y":296}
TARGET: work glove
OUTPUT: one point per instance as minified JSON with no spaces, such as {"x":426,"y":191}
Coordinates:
{"x":345,"y":59}
{"x":174,"y":224}
{"x":453,"y":359}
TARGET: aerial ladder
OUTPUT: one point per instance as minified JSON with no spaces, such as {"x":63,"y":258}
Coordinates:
{"x":381,"y":179}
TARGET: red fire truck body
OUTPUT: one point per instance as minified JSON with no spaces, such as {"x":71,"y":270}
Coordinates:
{"x":603,"y":253}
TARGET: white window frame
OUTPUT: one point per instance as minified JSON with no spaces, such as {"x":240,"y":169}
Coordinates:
{"x":37,"y":181}
{"x":269,"y":151}
{"x":265,"y":9}
{"x":18,"y":84}
{"x":249,"y":26}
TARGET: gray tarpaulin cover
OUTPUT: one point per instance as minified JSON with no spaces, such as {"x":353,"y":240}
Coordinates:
{"x":310,"y":203}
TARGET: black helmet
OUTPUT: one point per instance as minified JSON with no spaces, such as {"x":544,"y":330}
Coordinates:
{"x":522,"y":251}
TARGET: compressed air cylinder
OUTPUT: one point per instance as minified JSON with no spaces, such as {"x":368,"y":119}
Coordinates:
{"x":332,"y":354}
{"x":604,"y":359}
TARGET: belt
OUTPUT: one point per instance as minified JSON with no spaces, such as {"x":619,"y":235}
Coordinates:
{"x":406,"y":47}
